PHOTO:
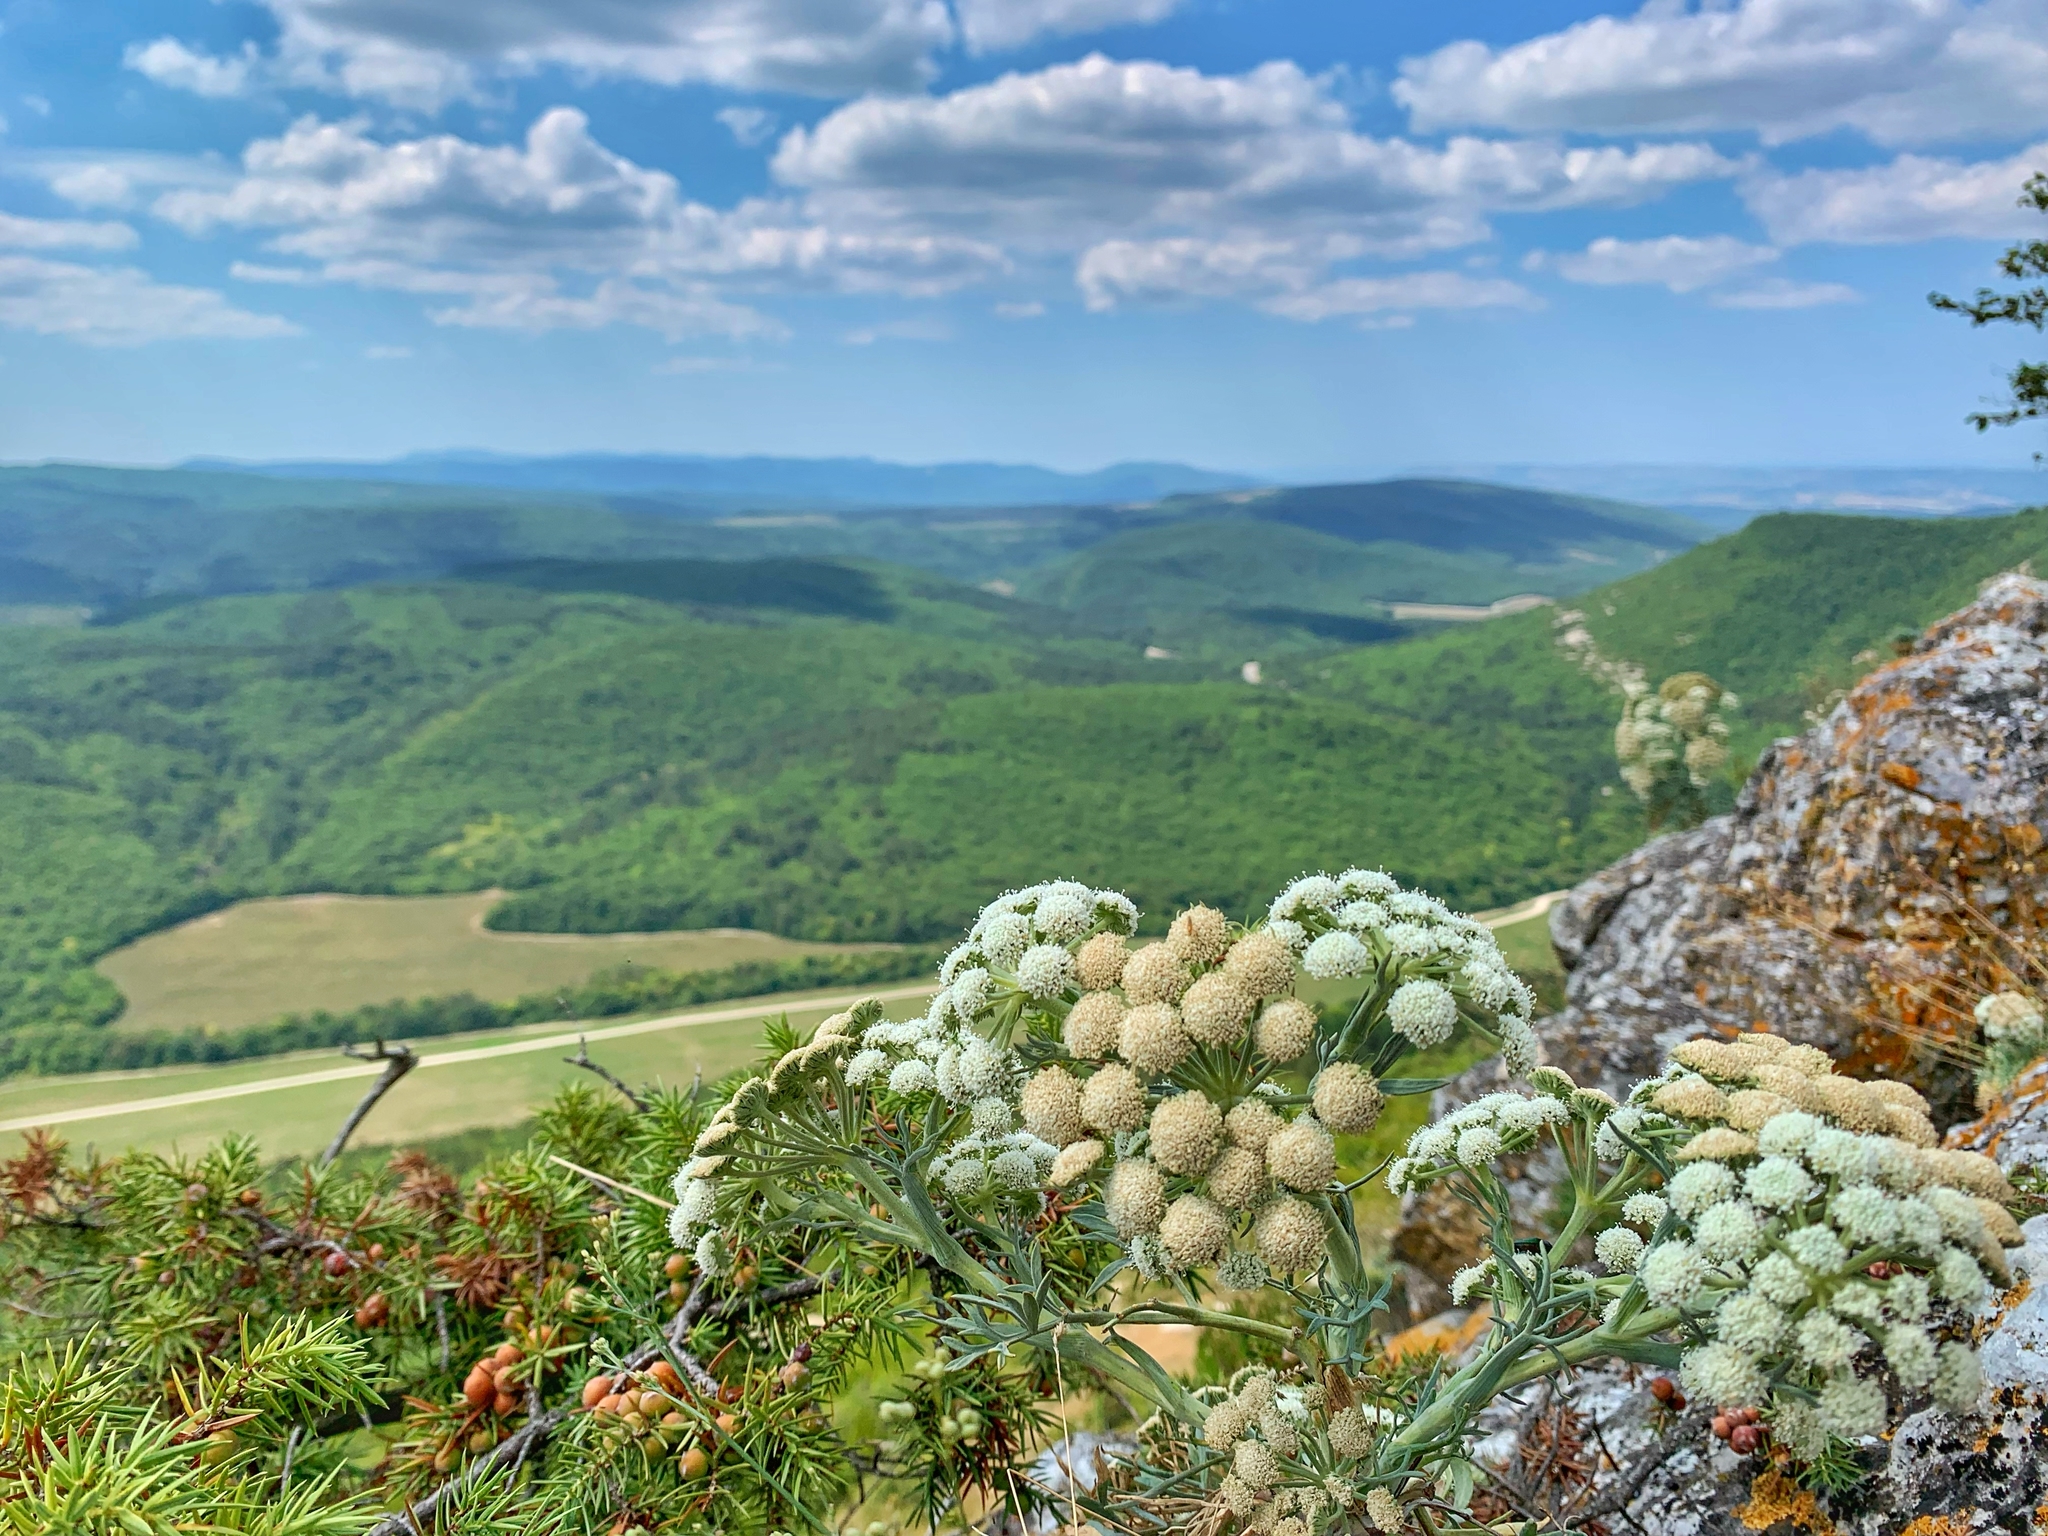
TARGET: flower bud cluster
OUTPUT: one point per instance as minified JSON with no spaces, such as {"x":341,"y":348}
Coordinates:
{"x":2015,"y":1036}
{"x":1678,"y":730}
{"x":1059,"y":1058}
{"x":1818,"y":1237}
{"x":1441,"y":966}
{"x":1295,"y":1453}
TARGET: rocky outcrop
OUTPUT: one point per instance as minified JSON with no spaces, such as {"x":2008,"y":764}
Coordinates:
{"x":1876,"y":874}
{"x":1861,"y":873}
{"x":1598,"y":1447}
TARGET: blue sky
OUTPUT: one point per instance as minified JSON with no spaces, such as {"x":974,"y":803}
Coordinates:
{"x":1295,"y":236}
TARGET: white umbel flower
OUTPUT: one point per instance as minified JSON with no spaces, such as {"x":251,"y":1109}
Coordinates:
{"x":1045,"y":970}
{"x":912,"y":1077}
{"x":1003,"y":938}
{"x":1643,"y":1209}
{"x":1619,"y":1248}
{"x":1424,"y":1011}
{"x":866,"y":1065}
{"x":1015,"y":1169}
{"x":1064,"y":916}
{"x":1336,"y":954}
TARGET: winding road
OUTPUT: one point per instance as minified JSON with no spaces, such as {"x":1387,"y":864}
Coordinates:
{"x":747,"y":1009}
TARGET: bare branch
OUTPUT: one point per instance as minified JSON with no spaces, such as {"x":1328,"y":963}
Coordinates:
{"x":398,"y":1060}
{"x":522,"y":1444}
{"x":611,"y":1183}
{"x":582,"y":1059}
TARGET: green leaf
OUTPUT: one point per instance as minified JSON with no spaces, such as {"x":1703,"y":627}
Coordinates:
{"x":1397,"y":1087}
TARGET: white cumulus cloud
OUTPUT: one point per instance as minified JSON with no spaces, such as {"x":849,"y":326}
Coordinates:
{"x":426,"y":53}
{"x":1280,"y":277}
{"x":25,"y":234}
{"x":1106,"y":145}
{"x":555,"y":231}
{"x":989,"y":25}
{"x":1913,"y":197}
{"x":1784,"y":293}
{"x":119,"y":306}
{"x":169,"y":62}
{"x":1681,"y":263}
{"x":1169,"y":183}
{"x":1901,"y":71}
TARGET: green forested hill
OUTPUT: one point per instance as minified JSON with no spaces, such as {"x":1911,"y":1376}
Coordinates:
{"x":1334,"y":551}
{"x":865,"y":770}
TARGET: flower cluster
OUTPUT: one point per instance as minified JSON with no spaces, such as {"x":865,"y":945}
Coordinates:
{"x":1058,"y":1056}
{"x":1167,"y":1093}
{"x":2015,"y":1036}
{"x":1819,"y":1235}
{"x":1801,"y":1231}
{"x":1671,"y":743}
{"x":1299,"y":1453}
{"x":1434,"y":965}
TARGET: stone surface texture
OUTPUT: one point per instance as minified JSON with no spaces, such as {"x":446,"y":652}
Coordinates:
{"x":1822,"y":907}
{"x":1849,"y":902}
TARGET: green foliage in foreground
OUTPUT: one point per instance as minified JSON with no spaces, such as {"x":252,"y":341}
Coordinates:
{"x":56,"y":1048}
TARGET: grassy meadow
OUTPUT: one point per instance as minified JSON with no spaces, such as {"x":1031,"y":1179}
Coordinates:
{"x":250,"y":962}
{"x":477,"y":1081}
{"x":494,"y":1079}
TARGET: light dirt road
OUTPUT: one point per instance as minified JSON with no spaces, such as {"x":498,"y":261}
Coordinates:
{"x":749,"y":1010}
{"x":742,"y":1009}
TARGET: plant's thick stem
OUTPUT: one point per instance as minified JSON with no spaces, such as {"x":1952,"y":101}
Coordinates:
{"x":1523,"y":1357}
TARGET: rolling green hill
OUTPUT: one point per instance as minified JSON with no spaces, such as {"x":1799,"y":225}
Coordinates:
{"x":849,"y":753}
{"x":1292,"y":557}
{"x":108,"y":539}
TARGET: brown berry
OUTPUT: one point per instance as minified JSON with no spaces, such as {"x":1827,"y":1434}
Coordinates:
{"x":678,"y":1265}
{"x":337,"y":1263}
{"x":374,"y":1312}
{"x":478,"y":1389}
{"x":376,"y":1253}
{"x":1663,"y":1389}
{"x":596,"y":1390}
{"x":1745,"y":1438}
{"x":251,"y":1197}
{"x":504,"y":1402}
{"x":693,"y":1462}
{"x":728,"y":1423}
{"x":508,"y":1354}
{"x":611,"y":1403}
{"x":677,"y":1291}
{"x":670,"y":1378}
{"x":482,"y":1439}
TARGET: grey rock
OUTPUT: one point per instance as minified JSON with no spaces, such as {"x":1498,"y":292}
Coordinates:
{"x":1864,"y":860}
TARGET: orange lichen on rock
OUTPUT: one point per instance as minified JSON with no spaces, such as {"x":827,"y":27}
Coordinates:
{"x":1958,"y":1524}
{"x":1445,"y":1334}
{"x":1905,"y":775}
{"x":1774,"y":1497}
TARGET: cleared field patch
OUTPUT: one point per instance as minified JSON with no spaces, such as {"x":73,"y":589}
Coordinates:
{"x":251,"y":962}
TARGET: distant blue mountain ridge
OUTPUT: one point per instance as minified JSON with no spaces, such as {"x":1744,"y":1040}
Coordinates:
{"x":768,"y":481}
